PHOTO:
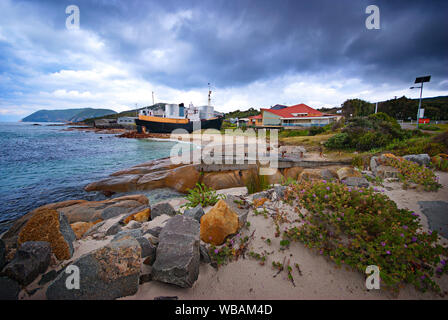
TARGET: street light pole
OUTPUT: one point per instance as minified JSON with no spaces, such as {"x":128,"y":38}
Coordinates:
{"x":419,"y":105}
{"x":420,"y":80}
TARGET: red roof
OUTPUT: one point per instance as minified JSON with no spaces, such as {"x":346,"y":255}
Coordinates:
{"x":298,"y":108}
{"x":259,"y":116}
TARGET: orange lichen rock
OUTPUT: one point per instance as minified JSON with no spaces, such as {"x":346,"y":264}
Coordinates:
{"x":218,"y":223}
{"x":259,"y":202}
{"x":80,"y":228}
{"x":46,"y":226}
{"x":141,"y":216}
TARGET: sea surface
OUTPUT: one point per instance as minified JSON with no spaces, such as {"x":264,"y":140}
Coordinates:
{"x":41,"y":164}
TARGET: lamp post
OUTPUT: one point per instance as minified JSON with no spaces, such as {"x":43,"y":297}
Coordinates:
{"x":420,"y":80}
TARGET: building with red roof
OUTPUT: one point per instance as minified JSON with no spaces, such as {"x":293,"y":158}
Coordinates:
{"x":296,"y":116}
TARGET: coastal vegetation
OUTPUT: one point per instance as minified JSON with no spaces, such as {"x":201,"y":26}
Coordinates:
{"x":400,"y":108}
{"x":202,"y":195}
{"x":411,"y":172}
{"x":360,"y":227}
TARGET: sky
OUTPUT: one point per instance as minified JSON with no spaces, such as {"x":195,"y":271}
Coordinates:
{"x":255,"y":53}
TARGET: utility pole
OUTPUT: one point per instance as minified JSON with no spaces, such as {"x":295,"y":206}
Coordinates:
{"x":153,"y":98}
{"x":420,"y":80}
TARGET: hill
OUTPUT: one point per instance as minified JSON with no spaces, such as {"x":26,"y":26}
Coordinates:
{"x":128,"y":113}
{"x":67,"y":115}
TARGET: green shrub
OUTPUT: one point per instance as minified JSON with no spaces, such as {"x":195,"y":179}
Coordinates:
{"x":316,"y":130}
{"x":429,"y":127}
{"x":362,"y":227}
{"x":338,"y":141}
{"x":294,"y":133}
{"x":202,"y":195}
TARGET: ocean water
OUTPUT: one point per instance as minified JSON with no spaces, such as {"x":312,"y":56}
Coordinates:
{"x":44,"y":164}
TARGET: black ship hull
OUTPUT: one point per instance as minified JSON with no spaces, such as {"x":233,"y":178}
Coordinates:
{"x":166,"y":127}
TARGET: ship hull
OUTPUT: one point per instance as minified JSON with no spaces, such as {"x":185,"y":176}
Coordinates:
{"x":166,"y":127}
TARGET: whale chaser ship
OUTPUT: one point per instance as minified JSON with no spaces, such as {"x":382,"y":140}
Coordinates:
{"x":176,"y":116}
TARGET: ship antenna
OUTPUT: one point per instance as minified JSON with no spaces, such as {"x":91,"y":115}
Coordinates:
{"x":209,"y":95}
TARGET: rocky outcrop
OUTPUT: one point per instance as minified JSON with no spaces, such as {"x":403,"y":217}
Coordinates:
{"x":124,"y":183}
{"x":162,"y":208}
{"x":178,"y":257}
{"x":223,"y":179}
{"x":52,"y":227}
{"x":195,"y":213}
{"x":240,"y":207}
{"x":347,"y":172}
{"x":183,"y":178}
{"x":359,"y":182}
{"x":310,"y":174}
{"x":217,"y":224}
{"x":83,"y":211}
{"x":292,"y":173}
{"x":90,"y":211}
{"x":421,"y":159}
{"x":107,"y":273}
{"x":139,"y":216}
{"x":80,"y":228}
{"x":30,"y":260}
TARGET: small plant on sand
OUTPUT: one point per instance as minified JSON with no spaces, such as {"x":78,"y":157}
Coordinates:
{"x":231,"y":250}
{"x":261,"y":258}
{"x":413,"y":172}
{"x":360,"y":227}
{"x":202,"y":195}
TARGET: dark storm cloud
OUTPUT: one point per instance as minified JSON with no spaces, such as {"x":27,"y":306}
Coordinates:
{"x":234,"y":43}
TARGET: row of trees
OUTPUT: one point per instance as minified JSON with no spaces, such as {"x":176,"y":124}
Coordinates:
{"x":400,"y":108}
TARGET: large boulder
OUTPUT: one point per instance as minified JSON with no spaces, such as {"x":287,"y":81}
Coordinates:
{"x":346,"y":172}
{"x":240,"y":207}
{"x":107,"y":273}
{"x":195,"y":213}
{"x":292,"y":173}
{"x":356,"y":182}
{"x":9,"y":289}
{"x":94,"y":210}
{"x":275,"y":178}
{"x":310,"y":174}
{"x":223,"y":179}
{"x":124,"y":183}
{"x":183,"y":178}
{"x":152,"y":180}
{"x":177,"y":256}
{"x":14,"y":230}
{"x":421,"y":159}
{"x":386,"y":172}
{"x":140,"y":215}
{"x":2,"y":255}
{"x":52,"y":227}
{"x":80,"y":228}
{"x":82,"y":210}
{"x":217,"y":224}
{"x":30,"y":260}
{"x":162,"y":208}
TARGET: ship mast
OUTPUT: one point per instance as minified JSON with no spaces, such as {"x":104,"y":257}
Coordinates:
{"x":209,"y":96}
